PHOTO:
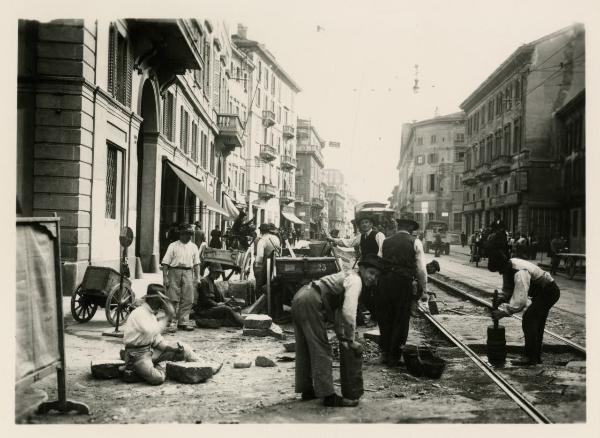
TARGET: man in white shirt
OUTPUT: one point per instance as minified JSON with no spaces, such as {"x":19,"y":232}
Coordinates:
{"x":332,"y":298}
{"x":181,"y":270}
{"x":525,"y":287}
{"x":368,"y":240}
{"x":267,"y":247}
{"x":146,"y":351}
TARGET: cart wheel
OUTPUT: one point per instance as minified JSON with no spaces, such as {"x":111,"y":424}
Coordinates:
{"x":571,"y":262}
{"x":127,"y":299}
{"x":82,"y":308}
{"x":246,"y":266}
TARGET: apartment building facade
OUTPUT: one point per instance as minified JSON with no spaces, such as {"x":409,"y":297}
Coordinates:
{"x":336,"y":200}
{"x":271,"y":159}
{"x":430,"y":170}
{"x":512,"y":165}
{"x":122,"y":123}
{"x":310,"y":201}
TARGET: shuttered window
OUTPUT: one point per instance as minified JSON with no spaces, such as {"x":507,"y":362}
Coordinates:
{"x":184,"y":131}
{"x":120,"y":67}
{"x":168,"y":119}
{"x":194,"y":142}
{"x":113,"y":181}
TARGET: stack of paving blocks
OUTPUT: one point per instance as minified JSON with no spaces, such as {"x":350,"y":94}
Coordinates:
{"x":261,"y":326}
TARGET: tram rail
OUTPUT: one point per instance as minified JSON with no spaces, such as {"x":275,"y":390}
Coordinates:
{"x":580,"y":349}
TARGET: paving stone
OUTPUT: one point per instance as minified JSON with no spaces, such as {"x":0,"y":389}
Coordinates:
{"x":254,"y":321}
{"x":372,"y":335}
{"x":276,"y":332}
{"x":242,"y":364}
{"x":576,"y":364}
{"x":208,"y":323}
{"x":290,"y":347}
{"x":255,"y":332}
{"x":263,"y":361}
{"x":106,"y":369}
{"x":189,"y":372}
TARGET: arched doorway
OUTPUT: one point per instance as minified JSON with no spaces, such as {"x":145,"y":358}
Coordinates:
{"x":146,"y":176}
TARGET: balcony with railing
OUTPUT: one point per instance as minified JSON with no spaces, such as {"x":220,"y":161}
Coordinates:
{"x":288,"y":162}
{"x":300,"y":198}
{"x":469,"y":177}
{"x":313,"y":149}
{"x":483,"y":172}
{"x":268,"y":118}
{"x":267,"y":152}
{"x":317,"y":202}
{"x":230,"y":134}
{"x":286,"y":196}
{"x":288,"y":131}
{"x":501,"y":164}
{"x":267,"y":191}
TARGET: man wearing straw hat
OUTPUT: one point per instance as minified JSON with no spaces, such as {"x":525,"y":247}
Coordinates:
{"x":146,"y":351}
{"x":181,"y":270}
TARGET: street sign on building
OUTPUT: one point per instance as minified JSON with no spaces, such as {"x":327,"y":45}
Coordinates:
{"x":444,"y":214}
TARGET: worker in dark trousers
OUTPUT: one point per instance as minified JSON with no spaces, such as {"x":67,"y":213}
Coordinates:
{"x":525,"y":287}
{"x":333,"y":298}
{"x":404,"y":260}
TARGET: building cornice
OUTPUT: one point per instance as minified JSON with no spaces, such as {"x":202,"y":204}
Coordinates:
{"x":243,"y":43}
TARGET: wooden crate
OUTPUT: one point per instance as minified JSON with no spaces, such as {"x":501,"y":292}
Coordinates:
{"x":311,"y":268}
{"x":101,"y":279}
{"x":226,"y":257}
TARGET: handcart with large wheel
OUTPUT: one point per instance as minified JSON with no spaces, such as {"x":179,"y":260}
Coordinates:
{"x":100,"y":288}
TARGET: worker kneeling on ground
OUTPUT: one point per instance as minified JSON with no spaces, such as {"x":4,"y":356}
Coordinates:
{"x":145,"y":350}
{"x":332,"y":298}
{"x":525,"y":287}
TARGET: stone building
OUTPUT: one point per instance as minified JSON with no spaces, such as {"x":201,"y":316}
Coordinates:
{"x":430,"y":170}
{"x":122,"y":123}
{"x":309,"y":176}
{"x":336,"y":198}
{"x":271,"y":158}
{"x":513,"y":162}
{"x":569,"y":141}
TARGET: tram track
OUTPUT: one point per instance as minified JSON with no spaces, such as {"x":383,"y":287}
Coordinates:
{"x":580,"y":349}
{"x":519,"y":398}
{"x":516,"y":383}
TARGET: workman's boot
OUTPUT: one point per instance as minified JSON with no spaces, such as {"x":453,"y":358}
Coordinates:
{"x":335,"y":401}
{"x":309,"y":395}
{"x":525,"y":362}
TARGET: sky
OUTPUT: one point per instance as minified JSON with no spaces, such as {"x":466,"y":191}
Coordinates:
{"x":357,"y":73}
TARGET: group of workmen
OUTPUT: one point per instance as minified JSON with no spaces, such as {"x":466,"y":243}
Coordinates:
{"x":391,"y":277}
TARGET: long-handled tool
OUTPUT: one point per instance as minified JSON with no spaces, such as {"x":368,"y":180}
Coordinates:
{"x":496,"y":338}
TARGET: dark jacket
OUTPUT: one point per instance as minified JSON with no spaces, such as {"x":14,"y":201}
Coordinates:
{"x":208,"y":295}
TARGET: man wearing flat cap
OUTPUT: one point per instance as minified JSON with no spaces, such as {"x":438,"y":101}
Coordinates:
{"x":333,"y":298}
{"x":403,"y":256}
{"x":146,"y":351}
{"x":267,"y":247}
{"x":181,"y":270}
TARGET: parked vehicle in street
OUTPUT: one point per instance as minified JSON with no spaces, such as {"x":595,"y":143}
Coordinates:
{"x":432,"y":228}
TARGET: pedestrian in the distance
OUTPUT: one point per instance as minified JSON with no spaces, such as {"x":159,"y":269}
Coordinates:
{"x":181,"y":270}
{"x":527,"y":288}
{"x":215,"y":238}
{"x":333,"y":298}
